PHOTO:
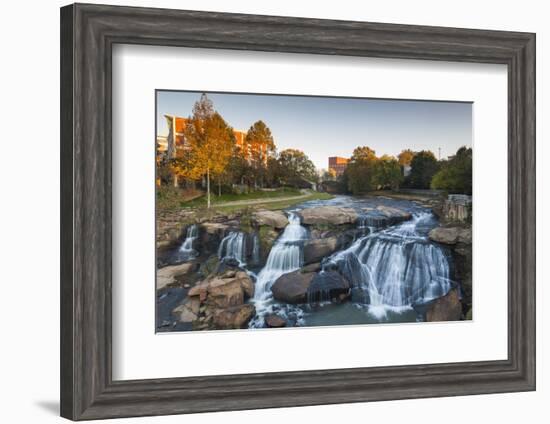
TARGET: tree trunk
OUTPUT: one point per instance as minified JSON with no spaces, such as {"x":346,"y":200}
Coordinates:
{"x":219,"y":187}
{"x":176,"y":183}
{"x":208,"y":187}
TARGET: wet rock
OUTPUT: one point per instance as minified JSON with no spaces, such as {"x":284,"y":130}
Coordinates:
{"x":394,"y":214}
{"x":292,"y":287}
{"x":317,"y":250}
{"x":328,"y":215}
{"x":167,"y":274}
{"x":188,"y":311}
{"x":233,"y":317}
{"x":275,"y":321}
{"x":275,"y":219}
{"x":314,"y":267}
{"x":229,"y":289}
{"x":446,"y":308}
{"x":328,"y":285}
{"x":209,"y":266}
{"x":267,"y":238}
{"x":451,"y":235}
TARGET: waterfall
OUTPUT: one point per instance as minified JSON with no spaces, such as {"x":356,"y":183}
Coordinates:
{"x":285,"y":256}
{"x":233,"y":246}
{"x":396,"y":267}
{"x":186,"y":249}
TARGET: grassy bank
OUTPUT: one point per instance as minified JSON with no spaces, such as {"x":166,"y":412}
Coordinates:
{"x":172,"y":199}
{"x":283,"y":204}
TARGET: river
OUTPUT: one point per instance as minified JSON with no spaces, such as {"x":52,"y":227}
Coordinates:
{"x":393,"y":269}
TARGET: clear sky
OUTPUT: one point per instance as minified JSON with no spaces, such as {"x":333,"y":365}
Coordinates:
{"x":332,"y":126}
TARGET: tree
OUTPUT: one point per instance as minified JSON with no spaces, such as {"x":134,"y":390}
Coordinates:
{"x":329,"y":175}
{"x":209,"y":142}
{"x":387,"y":173}
{"x":295,"y":166}
{"x":405,"y":157}
{"x":360,"y":170}
{"x":423,"y":167}
{"x":261,"y":144}
{"x":455,"y":175}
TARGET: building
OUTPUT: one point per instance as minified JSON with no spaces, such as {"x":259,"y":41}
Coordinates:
{"x":337,"y":164}
{"x":169,"y":144}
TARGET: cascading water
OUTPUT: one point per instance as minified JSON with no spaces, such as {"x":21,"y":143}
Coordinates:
{"x":396,"y":267}
{"x":233,"y":246}
{"x":285,"y":256}
{"x":186,"y":249}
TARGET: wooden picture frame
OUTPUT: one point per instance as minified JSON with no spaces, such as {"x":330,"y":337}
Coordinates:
{"x":88,"y":33}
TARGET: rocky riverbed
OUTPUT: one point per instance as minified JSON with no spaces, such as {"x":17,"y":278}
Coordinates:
{"x":330,"y":262}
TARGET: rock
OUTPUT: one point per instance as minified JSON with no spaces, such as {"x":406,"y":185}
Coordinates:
{"x":233,"y":317}
{"x":451,"y":235}
{"x":292,"y":287}
{"x":187,"y":311}
{"x":267,"y":237}
{"x":275,"y":321}
{"x":225,"y":293}
{"x":317,"y":250}
{"x":229,"y":289}
{"x":328,"y":285}
{"x":446,"y":308}
{"x":200,"y":290}
{"x":328,"y":215}
{"x":393,"y":213}
{"x":246,"y":283}
{"x":167,"y":274}
{"x":214,"y":227}
{"x":275,"y":219}
{"x":209,"y":266}
{"x":314,"y":267}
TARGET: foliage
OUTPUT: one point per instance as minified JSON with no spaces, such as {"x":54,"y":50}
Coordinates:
{"x":455,"y":175}
{"x":209,"y":144}
{"x":366,"y":172}
{"x":360,"y":170}
{"x":261,"y":145}
{"x":405,"y":157}
{"x":293,"y":166}
{"x":423,"y":167}
{"x":329,"y":175}
{"x":387,"y":173}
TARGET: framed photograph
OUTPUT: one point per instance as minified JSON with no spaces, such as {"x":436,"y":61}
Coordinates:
{"x":269,"y":211}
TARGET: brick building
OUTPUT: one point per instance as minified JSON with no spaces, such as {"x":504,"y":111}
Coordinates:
{"x":337,"y":164}
{"x":169,"y":144}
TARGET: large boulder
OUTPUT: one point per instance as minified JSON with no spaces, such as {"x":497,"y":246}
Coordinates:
{"x":211,"y":235}
{"x":328,"y":285}
{"x":267,"y":236}
{"x":167,"y":275}
{"x":393,"y":214}
{"x":229,"y":289}
{"x":233,"y":317}
{"x":451,"y":235}
{"x":292,"y":287}
{"x":446,"y":308}
{"x":274,"y":321}
{"x":328,"y":215}
{"x":275,"y":219}
{"x":188,"y":311}
{"x":317,"y":250}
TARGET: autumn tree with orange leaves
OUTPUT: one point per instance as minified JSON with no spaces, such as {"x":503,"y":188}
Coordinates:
{"x":209,"y":144}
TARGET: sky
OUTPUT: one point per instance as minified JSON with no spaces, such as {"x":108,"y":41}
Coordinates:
{"x":334,"y":126}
